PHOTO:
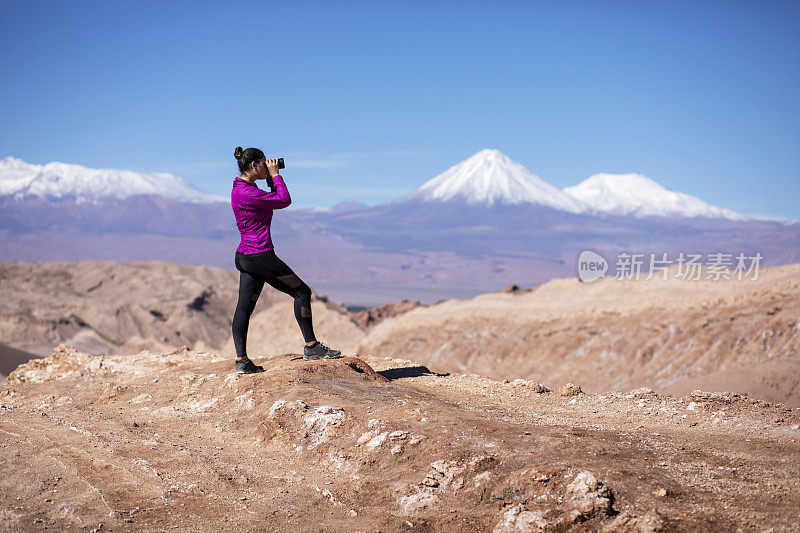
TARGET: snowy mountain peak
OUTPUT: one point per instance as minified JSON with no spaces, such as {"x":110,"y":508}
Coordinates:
{"x":639,"y":196}
{"x":64,"y":180}
{"x":490,"y":177}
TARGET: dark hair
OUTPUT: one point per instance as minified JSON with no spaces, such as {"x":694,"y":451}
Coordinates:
{"x":245,"y":157}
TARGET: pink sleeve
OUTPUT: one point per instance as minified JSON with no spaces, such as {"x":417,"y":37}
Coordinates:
{"x":261,"y":199}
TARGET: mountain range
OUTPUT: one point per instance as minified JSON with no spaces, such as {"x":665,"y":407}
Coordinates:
{"x":485,"y":223}
{"x":56,"y":181}
{"x":489,"y":177}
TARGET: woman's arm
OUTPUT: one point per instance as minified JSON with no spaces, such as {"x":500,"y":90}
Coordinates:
{"x":280,"y":198}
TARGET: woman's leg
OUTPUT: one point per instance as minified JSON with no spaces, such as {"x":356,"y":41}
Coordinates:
{"x":269,"y":268}
{"x":249,"y":290}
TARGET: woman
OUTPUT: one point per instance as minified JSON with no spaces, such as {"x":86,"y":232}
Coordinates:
{"x":256,"y":260}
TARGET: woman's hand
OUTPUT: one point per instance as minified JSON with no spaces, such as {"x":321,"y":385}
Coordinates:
{"x":272,"y":167}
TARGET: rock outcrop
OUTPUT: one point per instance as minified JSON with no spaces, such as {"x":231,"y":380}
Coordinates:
{"x":369,"y":318}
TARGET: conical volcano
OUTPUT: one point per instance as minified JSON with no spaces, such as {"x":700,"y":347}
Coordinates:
{"x":491,"y":177}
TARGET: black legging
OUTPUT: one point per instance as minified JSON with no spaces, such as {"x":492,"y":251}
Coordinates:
{"x":254,"y":270}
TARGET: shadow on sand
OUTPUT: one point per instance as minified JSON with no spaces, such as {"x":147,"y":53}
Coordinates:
{"x":409,"y":372}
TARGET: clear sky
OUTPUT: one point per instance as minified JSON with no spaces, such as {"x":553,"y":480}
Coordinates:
{"x":368,"y":100}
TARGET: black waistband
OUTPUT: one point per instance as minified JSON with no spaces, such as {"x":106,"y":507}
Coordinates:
{"x":240,"y":254}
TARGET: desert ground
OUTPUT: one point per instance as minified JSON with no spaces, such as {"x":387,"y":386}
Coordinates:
{"x":660,"y":405}
{"x":176,"y":441}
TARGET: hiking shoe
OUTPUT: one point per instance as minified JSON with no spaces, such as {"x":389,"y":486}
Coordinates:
{"x":248,"y":367}
{"x":320,"y":351}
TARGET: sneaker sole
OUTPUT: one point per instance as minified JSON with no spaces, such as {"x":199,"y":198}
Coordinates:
{"x":242,"y":372}
{"x":315,"y":357}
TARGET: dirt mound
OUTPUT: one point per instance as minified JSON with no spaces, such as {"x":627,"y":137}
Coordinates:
{"x":155,"y":441}
{"x":294,"y":367}
{"x":64,"y":363}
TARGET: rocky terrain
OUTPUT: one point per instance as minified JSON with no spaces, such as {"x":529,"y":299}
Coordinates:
{"x":109,"y":304}
{"x":176,"y":441}
{"x":671,"y":335}
{"x":371,"y":317}
{"x":107,"y":307}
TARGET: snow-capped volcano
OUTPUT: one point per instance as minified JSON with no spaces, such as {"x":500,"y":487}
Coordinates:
{"x":490,"y":177}
{"x":639,"y":196}
{"x":63,"y":180}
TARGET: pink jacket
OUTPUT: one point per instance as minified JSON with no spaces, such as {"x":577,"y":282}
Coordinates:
{"x":253,"y":208}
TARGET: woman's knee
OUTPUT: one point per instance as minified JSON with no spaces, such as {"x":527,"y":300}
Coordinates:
{"x":302,"y":291}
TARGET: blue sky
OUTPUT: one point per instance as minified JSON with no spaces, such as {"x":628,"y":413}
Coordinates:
{"x":368,"y":100}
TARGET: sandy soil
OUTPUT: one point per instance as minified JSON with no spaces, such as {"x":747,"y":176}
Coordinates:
{"x":176,"y":441}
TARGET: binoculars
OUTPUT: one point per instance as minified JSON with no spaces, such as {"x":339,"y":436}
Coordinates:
{"x":280,"y":163}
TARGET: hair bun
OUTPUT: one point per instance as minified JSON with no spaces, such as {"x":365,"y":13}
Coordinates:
{"x":238,"y":152}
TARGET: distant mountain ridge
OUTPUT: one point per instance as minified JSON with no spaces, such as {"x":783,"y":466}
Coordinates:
{"x":639,"y":196}
{"x":482,"y":225}
{"x":488,"y":177}
{"x":64,"y":180}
